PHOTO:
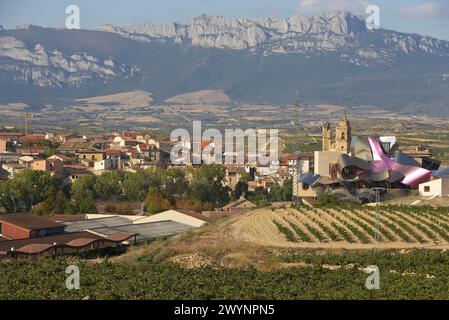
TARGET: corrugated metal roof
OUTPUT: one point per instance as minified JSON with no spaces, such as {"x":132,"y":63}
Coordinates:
{"x":146,"y":231}
{"x":76,"y":226}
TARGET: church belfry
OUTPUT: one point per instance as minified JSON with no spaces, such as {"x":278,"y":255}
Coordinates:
{"x":326,"y":136}
{"x":343,"y":136}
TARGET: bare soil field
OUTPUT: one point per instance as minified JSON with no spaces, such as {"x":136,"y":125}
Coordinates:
{"x":200,"y":97}
{"x":126,"y":100}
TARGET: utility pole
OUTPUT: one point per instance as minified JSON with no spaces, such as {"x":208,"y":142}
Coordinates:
{"x":297,"y":105}
{"x":27,"y":115}
{"x":378,"y":238}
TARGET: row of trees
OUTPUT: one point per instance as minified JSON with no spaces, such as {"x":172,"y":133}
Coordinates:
{"x":198,"y":189}
{"x":160,"y":189}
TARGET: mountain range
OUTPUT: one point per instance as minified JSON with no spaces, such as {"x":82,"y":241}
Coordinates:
{"x":331,"y":58}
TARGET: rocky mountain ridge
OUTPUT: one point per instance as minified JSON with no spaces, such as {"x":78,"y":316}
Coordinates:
{"x":329,"y":32}
{"x":52,"y":68}
{"x":331,"y":58}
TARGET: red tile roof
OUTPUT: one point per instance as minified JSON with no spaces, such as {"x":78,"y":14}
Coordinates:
{"x":64,"y":157}
{"x":204,"y":144}
{"x":11,"y":134}
{"x":31,"y":138}
{"x":33,"y":150}
{"x":76,"y":166}
{"x":113,"y":151}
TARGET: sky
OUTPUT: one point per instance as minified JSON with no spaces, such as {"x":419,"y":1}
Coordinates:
{"x":426,"y":17}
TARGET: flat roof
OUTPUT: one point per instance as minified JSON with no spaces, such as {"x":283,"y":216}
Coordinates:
{"x":67,"y":217}
{"x":29,"y":221}
{"x":81,"y":225}
{"x":147,"y":231}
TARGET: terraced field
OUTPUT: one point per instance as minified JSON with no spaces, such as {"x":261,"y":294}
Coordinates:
{"x":397,"y":228}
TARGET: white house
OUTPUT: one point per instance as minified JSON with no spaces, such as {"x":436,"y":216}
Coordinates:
{"x":438,"y":187}
{"x":102,"y":165}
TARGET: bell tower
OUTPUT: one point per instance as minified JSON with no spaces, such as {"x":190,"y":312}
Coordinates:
{"x":326,"y":136}
{"x":343,"y":136}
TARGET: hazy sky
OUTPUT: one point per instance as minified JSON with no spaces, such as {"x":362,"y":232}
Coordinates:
{"x":427,"y":17}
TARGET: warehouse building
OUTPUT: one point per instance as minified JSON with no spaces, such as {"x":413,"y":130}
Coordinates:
{"x":24,"y":226}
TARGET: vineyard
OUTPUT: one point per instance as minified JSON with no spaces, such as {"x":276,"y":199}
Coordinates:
{"x":264,"y":254}
{"x":416,"y":275}
{"x":290,"y":144}
{"x":347,"y":228}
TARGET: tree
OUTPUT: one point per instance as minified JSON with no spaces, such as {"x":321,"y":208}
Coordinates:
{"x":155,"y":201}
{"x":26,"y":189}
{"x":58,"y":204}
{"x":84,"y":202}
{"x":207,"y":185}
{"x":107,"y":185}
{"x":135,"y":186}
{"x":83,"y":195}
{"x":260,"y":197}
{"x":275,"y":193}
{"x":241,"y":188}
{"x":281,"y":193}
{"x":176,"y":184}
{"x":83,"y":184}
{"x":287,"y":190}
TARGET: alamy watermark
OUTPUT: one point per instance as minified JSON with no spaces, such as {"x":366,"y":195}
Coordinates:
{"x":372,"y":19}
{"x":72,"y":21}
{"x":207,"y":147}
{"x":373,"y":280}
{"x":73,"y":279}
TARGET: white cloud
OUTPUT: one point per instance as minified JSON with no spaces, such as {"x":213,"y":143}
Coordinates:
{"x":318,"y":6}
{"x":429,"y":9}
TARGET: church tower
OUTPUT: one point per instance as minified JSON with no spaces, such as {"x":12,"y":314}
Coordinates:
{"x":326,"y":136}
{"x":343,"y":136}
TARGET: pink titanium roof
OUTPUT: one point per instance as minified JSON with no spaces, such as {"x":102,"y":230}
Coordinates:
{"x":413,"y":175}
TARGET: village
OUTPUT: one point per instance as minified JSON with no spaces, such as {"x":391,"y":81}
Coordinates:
{"x":71,"y":192}
{"x":66,"y":192}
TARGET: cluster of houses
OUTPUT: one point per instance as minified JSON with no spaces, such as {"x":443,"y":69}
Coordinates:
{"x":73,"y":156}
{"x":77,"y":155}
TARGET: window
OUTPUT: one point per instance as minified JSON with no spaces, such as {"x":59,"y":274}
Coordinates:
{"x":427,"y":189}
